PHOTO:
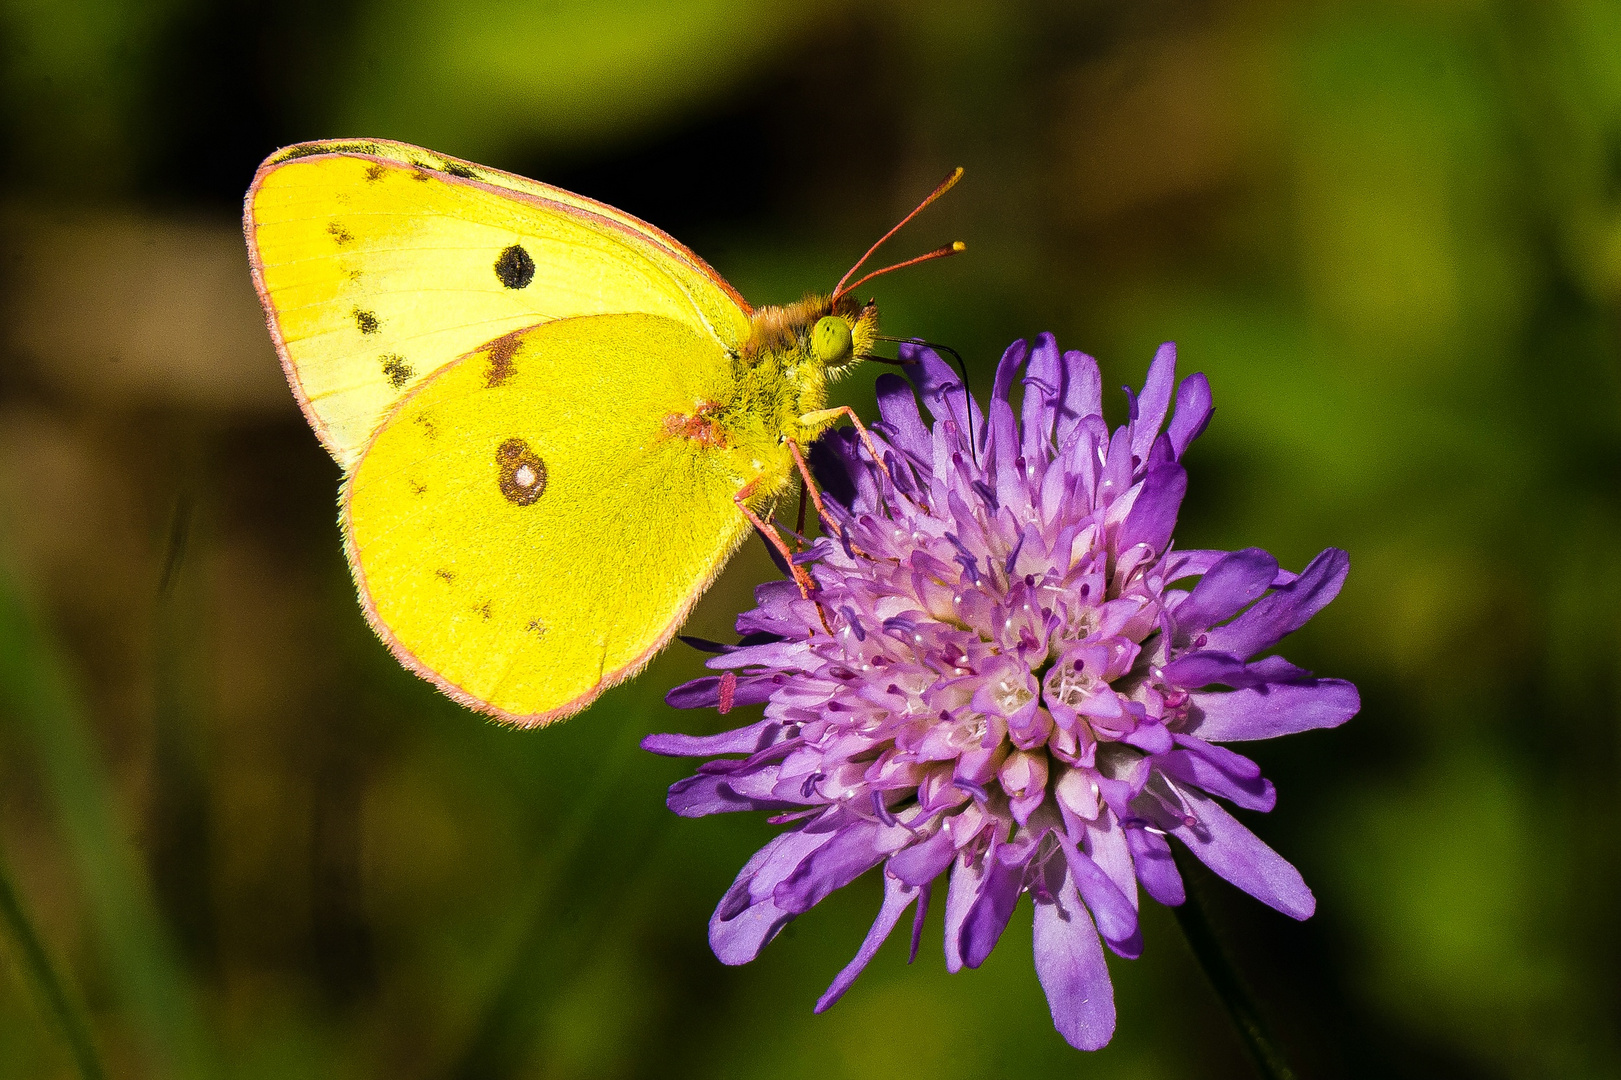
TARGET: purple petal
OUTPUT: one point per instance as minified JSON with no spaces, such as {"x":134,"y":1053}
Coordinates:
{"x":1277,"y":709}
{"x":1193,"y":411}
{"x":1153,"y":515}
{"x":1083,"y":394}
{"x":942,"y":390}
{"x":1002,"y":447}
{"x":765,"y":868}
{"x":1070,"y":965}
{"x":773,"y":611}
{"x":1007,"y":369}
{"x":898,"y":896}
{"x":1227,"y":588}
{"x":715,"y":793}
{"x":1191,"y":563}
{"x":1151,"y":736}
{"x":1160,"y":453}
{"x":1155,"y":401}
{"x":781,"y":655}
{"x":834,"y":865}
{"x":1155,"y":868}
{"x":993,"y":907}
{"x":1043,"y":381}
{"x":1273,"y":669}
{"x":1203,"y":771}
{"x":1205,"y":668}
{"x":1228,"y":761}
{"x":1105,"y":844}
{"x":963,"y":889}
{"x":1285,"y":610}
{"x":743,"y":740}
{"x":1238,"y":855}
{"x":740,"y":939}
{"x":921,"y":863}
{"x":746,"y":917}
{"x":898,"y":406}
{"x":1116,"y":918}
{"x":917,"y":920}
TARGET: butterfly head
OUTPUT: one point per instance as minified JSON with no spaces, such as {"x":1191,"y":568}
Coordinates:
{"x":818,"y":331}
{"x":843,"y":335}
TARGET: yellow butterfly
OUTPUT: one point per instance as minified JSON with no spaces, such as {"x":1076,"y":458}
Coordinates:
{"x":556,"y":423}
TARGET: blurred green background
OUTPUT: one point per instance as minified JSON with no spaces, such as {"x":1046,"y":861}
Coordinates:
{"x":1391,"y":234}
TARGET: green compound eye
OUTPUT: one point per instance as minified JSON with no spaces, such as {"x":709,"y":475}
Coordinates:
{"x":830,"y":340}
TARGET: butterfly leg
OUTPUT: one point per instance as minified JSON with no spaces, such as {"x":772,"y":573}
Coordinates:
{"x":769,"y":531}
{"x":822,"y":416}
{"x":812,"y":490}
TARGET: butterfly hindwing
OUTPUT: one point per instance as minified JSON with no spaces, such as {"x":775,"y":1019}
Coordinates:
{"x":533,"y":522}
{"x":379,"y":263}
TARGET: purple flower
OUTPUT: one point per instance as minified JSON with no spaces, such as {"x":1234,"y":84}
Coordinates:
{"x":1007,"y":673}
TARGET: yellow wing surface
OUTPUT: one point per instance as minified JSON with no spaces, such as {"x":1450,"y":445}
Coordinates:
{"x":379,"y":263}
{"x":532,"y":523}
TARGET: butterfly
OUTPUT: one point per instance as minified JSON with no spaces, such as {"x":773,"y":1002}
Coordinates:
{"x":555,"y":422}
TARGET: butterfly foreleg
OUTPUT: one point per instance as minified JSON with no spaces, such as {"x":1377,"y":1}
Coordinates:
{"x":811,"y":489}
{"x":824,"y":416}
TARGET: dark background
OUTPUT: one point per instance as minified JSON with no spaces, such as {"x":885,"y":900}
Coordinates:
{"x":1391,"y":234}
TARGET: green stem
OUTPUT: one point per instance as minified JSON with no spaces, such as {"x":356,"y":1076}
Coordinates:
{"x":37,"y":693}
{"x":1225,"y":980}
{"x":46,"y":980}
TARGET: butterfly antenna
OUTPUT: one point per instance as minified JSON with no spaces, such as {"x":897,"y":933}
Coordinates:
{"x":954,"y":248}
{"x":940,"y":189}
{"x":962,"y":368}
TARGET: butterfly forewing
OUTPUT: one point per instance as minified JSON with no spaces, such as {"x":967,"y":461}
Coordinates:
{"x":380,"y":263}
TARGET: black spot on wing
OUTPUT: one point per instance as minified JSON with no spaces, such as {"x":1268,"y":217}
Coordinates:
{"x":366,"y":321}
{"x":485,"y":610}
{"x":520,"y":473}
{"x":339,"y":233}
{"x":375,"y":173}
{"x":396,"y":370}
{"x":418,"y":487}
{"x":456,"y":168}
{"x":429,"y":428}
{"x":446,"y":576}
{"x":515,"y":268}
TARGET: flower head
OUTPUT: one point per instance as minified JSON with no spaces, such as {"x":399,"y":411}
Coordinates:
{"x":1007,"y":673}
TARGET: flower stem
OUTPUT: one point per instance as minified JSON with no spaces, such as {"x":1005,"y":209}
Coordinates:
{"x":1225,"y":979}
{"x":50,"y":985}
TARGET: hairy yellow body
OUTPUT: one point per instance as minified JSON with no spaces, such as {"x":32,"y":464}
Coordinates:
{"x":551,"y":415}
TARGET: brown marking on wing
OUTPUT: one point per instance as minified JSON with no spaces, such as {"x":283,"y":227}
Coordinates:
{"x":501,"y":352}
{"x":701,"y":427}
